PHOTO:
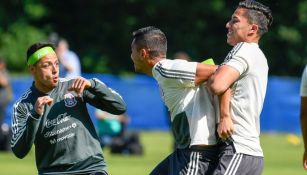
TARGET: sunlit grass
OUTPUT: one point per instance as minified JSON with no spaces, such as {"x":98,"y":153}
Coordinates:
{"x":282,"y":157}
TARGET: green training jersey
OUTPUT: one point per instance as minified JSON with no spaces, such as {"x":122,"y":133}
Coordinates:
{"x":65,"y":138}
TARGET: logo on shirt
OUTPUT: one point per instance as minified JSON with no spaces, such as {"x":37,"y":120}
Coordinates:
{"x":70,"y":100}
{"x":58,"y":120}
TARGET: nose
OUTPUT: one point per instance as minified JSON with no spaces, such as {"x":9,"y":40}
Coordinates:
{"x":55,"y":68}
{"x":228,"y":25}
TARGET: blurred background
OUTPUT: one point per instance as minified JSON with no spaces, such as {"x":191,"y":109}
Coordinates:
{"x":100,"y":33}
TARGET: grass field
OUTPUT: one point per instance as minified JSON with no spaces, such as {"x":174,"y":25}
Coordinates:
{"x":281,"y":157}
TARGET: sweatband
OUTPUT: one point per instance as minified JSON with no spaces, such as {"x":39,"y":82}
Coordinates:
{"x":40,"y":53}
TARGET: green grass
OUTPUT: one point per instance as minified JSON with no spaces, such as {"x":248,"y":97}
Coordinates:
{"x":281,"y":157}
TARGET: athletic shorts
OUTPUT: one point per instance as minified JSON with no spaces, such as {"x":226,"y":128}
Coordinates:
{"x":232,"y":163}
{"x":189,"y":161}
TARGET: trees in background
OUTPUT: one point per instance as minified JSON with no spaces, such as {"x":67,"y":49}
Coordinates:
{"x":100,"y":31}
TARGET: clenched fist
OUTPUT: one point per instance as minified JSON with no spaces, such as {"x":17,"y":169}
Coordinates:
{"x":41,"y":102}
{"x":79,"y":85}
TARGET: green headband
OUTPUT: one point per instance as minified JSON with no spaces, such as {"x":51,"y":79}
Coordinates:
{"x":40,"y":53}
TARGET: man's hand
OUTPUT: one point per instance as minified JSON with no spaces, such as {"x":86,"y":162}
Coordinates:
{"x":225,"y":128}
{"x":41,"y":102}
{"x":79,"y":85}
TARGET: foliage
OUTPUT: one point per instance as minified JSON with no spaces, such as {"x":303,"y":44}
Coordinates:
{"x":15,"y":42}
{"x":16,"y":31}
{"x":100,"y":31}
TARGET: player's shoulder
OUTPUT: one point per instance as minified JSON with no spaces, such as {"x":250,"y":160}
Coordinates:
{"x":176,"y":64}
{"x":175,"y":69}
{"x":246,"y":48}
{"x":26,"y":98}
{"x":66,"y":81}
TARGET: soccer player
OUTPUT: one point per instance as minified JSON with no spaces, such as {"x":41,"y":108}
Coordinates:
{"x":52,"y":114}
{"x":304,"y":114}
{"x":245,"y":71}
{"x":191,"y":106}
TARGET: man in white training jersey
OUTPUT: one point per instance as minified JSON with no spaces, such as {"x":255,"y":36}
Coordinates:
{"x":191,"y":106}
{"x":245,"y":72}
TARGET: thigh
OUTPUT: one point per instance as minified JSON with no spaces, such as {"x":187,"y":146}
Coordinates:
{"x":250,"y":165}
{"x":180,"y":162}
{"x":227,"y":158}
{"x":232,"y":163}
{"x":196,"y":162}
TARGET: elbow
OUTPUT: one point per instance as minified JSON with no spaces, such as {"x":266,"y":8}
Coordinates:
{"x":120,"y":109}
{"x":19,"y":154}
{"x":20,"y":150}
{"x":217,"y":89}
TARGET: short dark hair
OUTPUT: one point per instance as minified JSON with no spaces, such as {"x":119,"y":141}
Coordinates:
{"x":152,"y":38}
{"x":36,"y":46}
{"x":258,"y":13}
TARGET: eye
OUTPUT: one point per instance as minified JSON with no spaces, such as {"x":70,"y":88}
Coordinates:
{"x":45,"y":65}
{"x":233,"y":21}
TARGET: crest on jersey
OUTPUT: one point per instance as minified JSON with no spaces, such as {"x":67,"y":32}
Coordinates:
{"x":70,"y":100}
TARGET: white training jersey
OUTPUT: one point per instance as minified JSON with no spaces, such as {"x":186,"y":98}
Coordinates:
{"x":191,"y":107}
{"x":304,"y":83}
{"x":248,"y":94}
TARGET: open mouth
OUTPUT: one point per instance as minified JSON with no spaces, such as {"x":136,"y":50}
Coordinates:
{"x":229,"y":33}
{"x":55,"y":79}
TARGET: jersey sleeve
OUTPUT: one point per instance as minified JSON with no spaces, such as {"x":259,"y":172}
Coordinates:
{"x":237,"y":59}
{"x":175,"y":73}
{"x":304,"y":83}
{"x":25,"y":123}
{"x":104,"y":98}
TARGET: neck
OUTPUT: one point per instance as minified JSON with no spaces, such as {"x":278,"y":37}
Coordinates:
{"x":253,"y":39}
{"x":152,"y":62}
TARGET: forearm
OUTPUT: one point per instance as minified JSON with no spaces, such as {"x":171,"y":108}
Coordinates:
{"x":104,"y":98}
{"x":224,"y":103}
{"x":24,"y":133}
{"x":225,"y":127}
{"x":222,"y":79}
{"x":203,"y":72}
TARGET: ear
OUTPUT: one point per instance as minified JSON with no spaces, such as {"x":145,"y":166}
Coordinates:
{"x":31,"y":69}
{"x":254,"y":29}
{"x":144,"y":53}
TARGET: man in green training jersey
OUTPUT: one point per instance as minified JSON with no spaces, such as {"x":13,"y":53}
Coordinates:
{"x":52,"y":114}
